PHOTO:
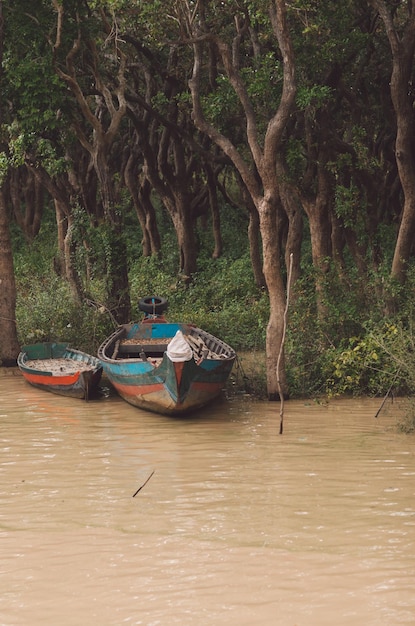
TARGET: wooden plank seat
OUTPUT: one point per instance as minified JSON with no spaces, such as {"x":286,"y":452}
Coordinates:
{"x":202,"y":350}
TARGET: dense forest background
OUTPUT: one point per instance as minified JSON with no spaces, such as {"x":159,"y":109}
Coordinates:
{"x":251,"y":160}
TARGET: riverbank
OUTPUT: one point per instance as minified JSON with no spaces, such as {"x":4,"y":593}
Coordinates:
{"x":9,"y":371}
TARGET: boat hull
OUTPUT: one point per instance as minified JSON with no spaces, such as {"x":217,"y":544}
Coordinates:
{"x":167,"y":387}
{"x":61,"y":370}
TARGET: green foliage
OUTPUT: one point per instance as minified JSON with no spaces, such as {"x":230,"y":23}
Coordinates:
{"x":295,"y":157}
{"x":47,"y":312}
{"x":314,"y":96}
{"x":222,"y":297}
{"x":354,"y":351}
{"x":229,"y":304}
{"x":264,"y":79}
{"x":361,"y":367}
{"x":45,"y":309}
{"x":41,"y":151}
{"x":4,"y":166}
{"x":221,"y":106}
{"x":30,"y":83}
{"x":33,"y":262}
{"x":347,"y":199}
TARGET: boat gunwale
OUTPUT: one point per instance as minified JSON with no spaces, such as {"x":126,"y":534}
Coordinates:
{"x":227,"y":355}
{"x":85,"y":358}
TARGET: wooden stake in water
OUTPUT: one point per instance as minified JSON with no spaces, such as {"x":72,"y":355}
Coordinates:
{"x":387,"y":393}
{"x":284,"y":330}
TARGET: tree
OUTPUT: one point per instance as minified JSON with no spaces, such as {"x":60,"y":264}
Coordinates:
{"x":176,"y":160}
{"x":102,"y":111}
{"x":37,"y":133}
{"x":259,"y":171}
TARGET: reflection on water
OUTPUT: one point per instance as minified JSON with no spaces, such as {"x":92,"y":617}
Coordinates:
{"x":237,"y":524}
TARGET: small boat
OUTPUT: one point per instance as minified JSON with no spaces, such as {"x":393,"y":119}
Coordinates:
{"x":167,"y":368}
{"x":56,"y":367}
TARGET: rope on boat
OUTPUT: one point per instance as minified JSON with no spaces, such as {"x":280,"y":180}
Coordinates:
{"x":240,"y":369}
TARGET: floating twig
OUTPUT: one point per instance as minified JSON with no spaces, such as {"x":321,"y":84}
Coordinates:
{"x":144,"y":483}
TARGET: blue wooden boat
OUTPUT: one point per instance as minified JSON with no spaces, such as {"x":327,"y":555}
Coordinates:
{"x":57,"y":368}
{"x":167,"y":368}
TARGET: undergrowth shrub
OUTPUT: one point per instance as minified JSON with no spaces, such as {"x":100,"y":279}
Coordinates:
{"x":353,"y":351}
{"x":222,"y":298}
{"x":363,"y":365}
{"x":47,"y":312}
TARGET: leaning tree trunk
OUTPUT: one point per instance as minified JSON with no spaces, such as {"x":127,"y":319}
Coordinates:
{"x":27,"y":197}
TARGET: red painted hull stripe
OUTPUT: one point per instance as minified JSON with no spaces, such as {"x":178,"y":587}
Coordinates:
{"x":52,"y":380}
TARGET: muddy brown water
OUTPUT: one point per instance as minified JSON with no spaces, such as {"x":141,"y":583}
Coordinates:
{"x":236,"y":525}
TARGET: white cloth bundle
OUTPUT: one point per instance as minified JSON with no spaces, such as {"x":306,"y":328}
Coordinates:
{"x":178,"y":348}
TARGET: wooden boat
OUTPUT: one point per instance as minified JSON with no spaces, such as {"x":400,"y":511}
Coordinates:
{"x":56,"y":367}
{"x":167,"y":368}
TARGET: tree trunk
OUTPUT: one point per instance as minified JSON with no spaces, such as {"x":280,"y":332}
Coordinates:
{"x":65,"y":232}
{"x":255,"y":251}
{"x":61,"y":191}
{"x":9,"y":345}
{"x":185,"y":233}
{"x":28,"y":200}
{"x":140,"y":190}
{"x":317,"y":210}
{"x":270,"y":232}
{"x":402,"y":47}
{"x":151,"y":228}
{"x":254,"y":234}
{"x":117,"y":270}
{"x":292,"y":207}
{"x":214,"y":209}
